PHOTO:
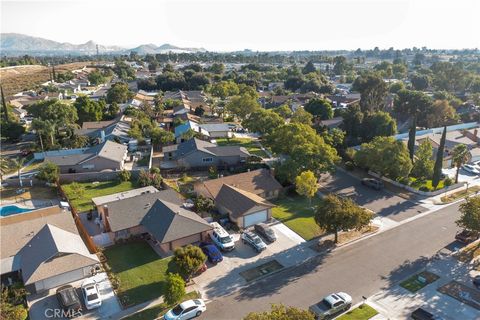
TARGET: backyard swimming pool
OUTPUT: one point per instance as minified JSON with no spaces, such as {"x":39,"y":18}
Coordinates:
{"x":12,"y":209}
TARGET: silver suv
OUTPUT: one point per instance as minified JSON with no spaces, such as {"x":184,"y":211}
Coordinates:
{"x":255,"y":241}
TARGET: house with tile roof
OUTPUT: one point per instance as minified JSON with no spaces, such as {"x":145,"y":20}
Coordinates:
{"x":44,"y":249}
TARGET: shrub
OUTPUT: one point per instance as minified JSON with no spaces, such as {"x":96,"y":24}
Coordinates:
{"x":424,"y":188}
{"x":349,"y":165}
{"x":174,"y":289}
{"x":189,"y":259}
{"x":124,"y":175}
{"x":448,"y":182}
{"x":404,"y":180}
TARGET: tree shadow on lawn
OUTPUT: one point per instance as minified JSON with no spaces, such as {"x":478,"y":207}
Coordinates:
{"x":142,"y":293}
{"x":232,"y":281}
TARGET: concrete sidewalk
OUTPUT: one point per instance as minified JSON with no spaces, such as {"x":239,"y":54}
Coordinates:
{"x":398,"y":303}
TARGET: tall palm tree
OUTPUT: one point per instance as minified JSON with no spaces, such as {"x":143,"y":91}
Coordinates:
{"x":460,"y":156}
{"x":18,"y":165}
{"x":4,"y":166}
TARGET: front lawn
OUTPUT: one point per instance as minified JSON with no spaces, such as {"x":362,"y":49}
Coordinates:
{"x":248,"y":143}
{"x":297,"y":214}
{"x":92,"y":190}
{"x":159,"y":310}
{"x":425,"y":185}
{"x":140,"y":271}
{"x":418,"y":281}
{"x":363,"y":312}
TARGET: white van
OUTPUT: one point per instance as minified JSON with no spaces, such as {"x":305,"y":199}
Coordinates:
{"x":221,"y":237}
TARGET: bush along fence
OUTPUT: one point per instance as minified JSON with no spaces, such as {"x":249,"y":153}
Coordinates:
{"x":81,"y":228}
{"x":413,"y":190}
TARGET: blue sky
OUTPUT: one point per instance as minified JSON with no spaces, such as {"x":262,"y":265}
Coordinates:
{"x":225,"y":25}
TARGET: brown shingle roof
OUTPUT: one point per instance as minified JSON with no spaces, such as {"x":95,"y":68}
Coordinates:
{"x":240,"y":202}
{"x":257,"y":182}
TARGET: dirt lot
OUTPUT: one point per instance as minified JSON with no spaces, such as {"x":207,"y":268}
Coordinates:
{"x":16,"y":79}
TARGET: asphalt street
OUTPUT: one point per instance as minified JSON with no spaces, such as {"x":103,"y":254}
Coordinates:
{"x":360,"y":269}
{"x":382,"y":202}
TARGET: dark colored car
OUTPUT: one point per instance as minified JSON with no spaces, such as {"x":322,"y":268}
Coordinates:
{"x":466,"y":236}
{"x":476,"y":282}
{"x":211,"y":251}
{"x":69,"y":301}
{"x":372,"y":183}
{"x":265,"y":231}
{"x":422,"y":314}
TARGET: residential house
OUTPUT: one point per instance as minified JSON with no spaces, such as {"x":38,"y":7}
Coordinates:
{"x":106,"y":156}
{"x":44,"y":249}
{"x":242,"y":207}
{"x":159,"y":216}
{"x":260,"y":182}
{"x":114,"y":130}
{"x":185,"y":127}
{"x":196,"y":153}
{"x":218,"y":130}
{"x":332,"y":123}
{"x":243,"y":196}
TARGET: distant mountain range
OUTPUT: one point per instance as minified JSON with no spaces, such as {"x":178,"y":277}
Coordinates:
{"x":16,"y":44}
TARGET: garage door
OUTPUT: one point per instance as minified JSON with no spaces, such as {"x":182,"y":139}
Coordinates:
{"x":59,"y":280}
{"x":254,"y":218}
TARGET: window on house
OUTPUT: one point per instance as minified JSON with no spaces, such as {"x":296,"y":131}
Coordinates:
{"x":207,"y":159}
{"x":88,"y":166}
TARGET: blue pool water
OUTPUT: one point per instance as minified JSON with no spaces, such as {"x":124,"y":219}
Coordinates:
{"x":9,"y":210}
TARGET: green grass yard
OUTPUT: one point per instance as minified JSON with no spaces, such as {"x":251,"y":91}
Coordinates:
{"x":297,"y":214}
{"x":425,"y":184}
{"x":363,"y":312}
{"x":103,"y":188}
{"x":249,"y":144}
{"x":413,"y":284}
{"x":140,"y":271}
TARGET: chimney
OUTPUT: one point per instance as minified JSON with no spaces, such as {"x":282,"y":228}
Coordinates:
{"x":102,"y":136}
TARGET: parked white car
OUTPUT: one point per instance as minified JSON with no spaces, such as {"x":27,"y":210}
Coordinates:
{"x":471,"y":169}
{"x":91,"y":296}
{"x":221,"y":237}
{"x":186,"y":310}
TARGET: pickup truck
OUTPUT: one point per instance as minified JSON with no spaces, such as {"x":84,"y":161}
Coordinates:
{"x":466,"y":236}
{"x":331,"y":305}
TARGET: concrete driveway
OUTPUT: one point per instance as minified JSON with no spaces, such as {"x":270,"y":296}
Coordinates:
{"x":382,"y":202}
{"x":288,"y":243}
{"x":43,"y":305}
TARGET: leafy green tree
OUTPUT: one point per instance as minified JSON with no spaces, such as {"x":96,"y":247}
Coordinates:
{"x":170,"y":81}
{"x":119,"y":93}
{"x":423,"y":165}
{"x":59,"y":112}
{"x":146,"y":178}
{"x":11,"y":130}
{"x":412,"y":133}
{"x":420,"y":81}
{"x":470,"y":214}
{"x":111,"y":111}
{"x":309,"y":68}
{"x":306,"y":184}
{"x":283,"y":111}
{"x":281,"y":312}
{"x":341,"y":66}
{"x":161,"y":137}
{"x":89,"y":110}
{"x":460,"y":156}
{"x":189,"y":134}
{"x":437,"y":169}
{"x":301,"y":116}
{"x":49,"y":172}
{"x":397,"y":86}
{"x":242,"y":106}
{"x":124,"y":175}
{"x":263,"y":121}
{"x":203,"y":204}
{"x":334,"y":137}
{"x":320,"y":108}
{"x":4,"y":106}
{"x":189,"y":259}
{"x":123,"y":70}
{"x":336,"y":214}
{"x":225,"y":89}
{"x":440,"y":114}
{"x":96,"y":77}
{"x":378,"y":124}
{"x":373,"y":91}
{"x":174,"y":289}
{"x":385,"y":156}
